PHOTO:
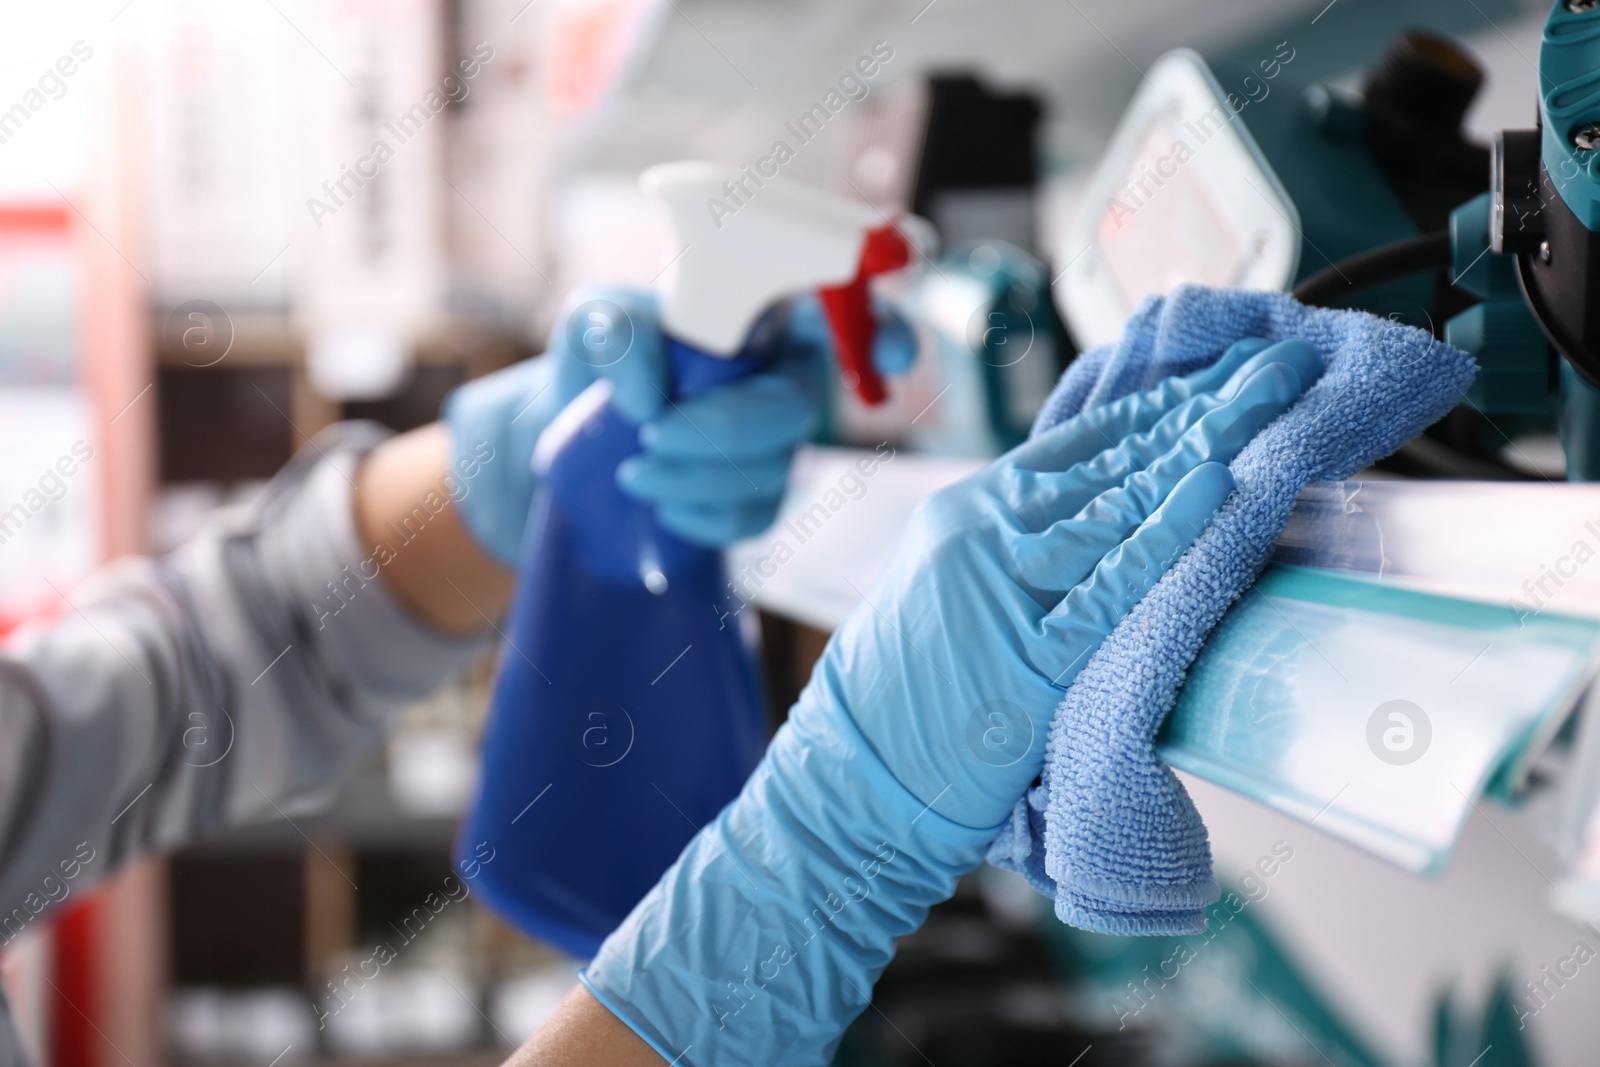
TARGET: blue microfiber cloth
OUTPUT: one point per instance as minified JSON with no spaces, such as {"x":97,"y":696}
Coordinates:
{"x":1109,"y":831}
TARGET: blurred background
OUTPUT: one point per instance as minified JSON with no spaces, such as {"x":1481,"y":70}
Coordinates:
{"x":224,"y":226}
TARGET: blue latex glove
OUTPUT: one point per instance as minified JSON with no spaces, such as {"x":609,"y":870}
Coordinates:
{"x":925,"y":720}
{"x":714,"y":466}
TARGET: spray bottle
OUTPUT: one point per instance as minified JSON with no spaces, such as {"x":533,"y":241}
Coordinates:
{"x":645,"y":714}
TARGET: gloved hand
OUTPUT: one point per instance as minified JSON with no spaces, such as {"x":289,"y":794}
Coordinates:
{"x":925,"y":720}
{"x":714,"y":465}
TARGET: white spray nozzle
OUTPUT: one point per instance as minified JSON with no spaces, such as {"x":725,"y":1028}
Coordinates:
{"x":745,"y":241}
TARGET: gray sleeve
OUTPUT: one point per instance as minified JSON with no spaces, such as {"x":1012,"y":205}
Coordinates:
{"x":12,"y":1054}
{"x":175,"y":698}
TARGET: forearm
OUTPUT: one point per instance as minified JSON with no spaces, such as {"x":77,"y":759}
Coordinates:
{"x":766,"y":937}
{"x":582,"y":1033}
{"x":407,"y":495}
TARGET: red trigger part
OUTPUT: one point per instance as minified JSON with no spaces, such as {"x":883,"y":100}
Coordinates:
{"x":849,"y":311}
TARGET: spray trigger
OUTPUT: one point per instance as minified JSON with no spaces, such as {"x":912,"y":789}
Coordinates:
{"x":849,"y":311}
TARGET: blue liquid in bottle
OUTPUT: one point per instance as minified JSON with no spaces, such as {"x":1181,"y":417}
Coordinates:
{"x":627,"y":710}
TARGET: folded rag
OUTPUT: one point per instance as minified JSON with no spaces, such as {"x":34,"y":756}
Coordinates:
{"x":1109,"y":831}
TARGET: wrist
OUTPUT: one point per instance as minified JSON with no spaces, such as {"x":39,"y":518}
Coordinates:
{"x":408,"y":516}
{"x":494,"y":423}
{"x":764,"y":941}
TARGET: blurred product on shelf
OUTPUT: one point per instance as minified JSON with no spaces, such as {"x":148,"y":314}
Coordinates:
{"x":221,"y":106}
{"x":208,"y":1024}
{"x":998,"y":349}
{"x":372,"y":271}
{"x":49,"y":480}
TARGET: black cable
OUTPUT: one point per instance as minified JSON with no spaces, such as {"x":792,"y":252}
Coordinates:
{"x":1337,"y":283}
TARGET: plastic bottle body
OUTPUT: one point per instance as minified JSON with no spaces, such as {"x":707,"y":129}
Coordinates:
{"x":627,"y":709}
